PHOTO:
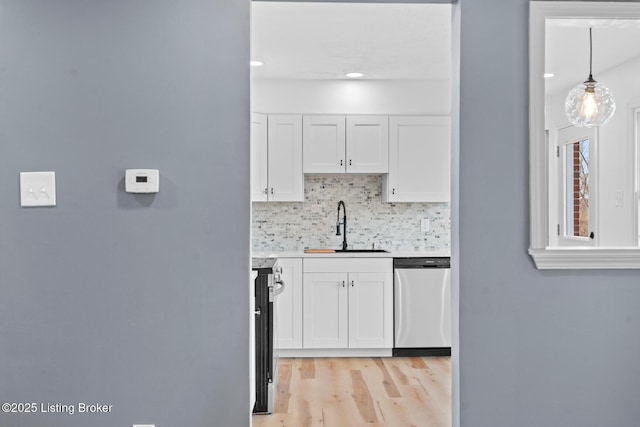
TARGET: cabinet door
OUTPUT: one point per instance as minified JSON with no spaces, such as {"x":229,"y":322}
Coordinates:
{"x":323,"y":144}
{"x":289,"y":304}
{"x":419,"y":160}
{"x":286,"y":182}
{"x":367,"y":144}
{"x":370,"y":310}
{"x":325,"y":310}
{"x":258,"y":158}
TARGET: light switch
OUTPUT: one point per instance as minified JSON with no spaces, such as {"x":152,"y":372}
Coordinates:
{"x":37,"y":189}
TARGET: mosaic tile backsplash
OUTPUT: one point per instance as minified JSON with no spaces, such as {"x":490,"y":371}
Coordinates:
{"x":283,"y":226}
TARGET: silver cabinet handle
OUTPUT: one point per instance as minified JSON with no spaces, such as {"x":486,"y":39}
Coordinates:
{"x":266,"y":191}
{"x":352,"y":283}
{"x":349,"y":162}
{"x":342,"y":283}
{"x":341,"y":163}
{"x":393,"y":191}
{"x":271,"y":190}
{"x":279,"y":289}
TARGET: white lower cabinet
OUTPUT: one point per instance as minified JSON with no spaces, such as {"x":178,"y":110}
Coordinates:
{"x":369,"y":325}
{"x":289,"y":305}
{"x":325,"y":310}
{"x":347,"y":303}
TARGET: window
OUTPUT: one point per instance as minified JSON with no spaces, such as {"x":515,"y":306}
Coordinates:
{"x":577,"y":189}
{"x":564,"y":186}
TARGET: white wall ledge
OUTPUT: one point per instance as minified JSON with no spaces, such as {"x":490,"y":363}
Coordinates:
{"x":586,"y":258}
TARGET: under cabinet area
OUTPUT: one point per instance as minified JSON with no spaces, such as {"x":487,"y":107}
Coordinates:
{"x":345,"y":144}
{"x":276,"y":158}
{"x":347,"y":303}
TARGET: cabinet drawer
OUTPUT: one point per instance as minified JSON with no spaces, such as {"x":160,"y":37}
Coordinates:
{"x":347,"y":265}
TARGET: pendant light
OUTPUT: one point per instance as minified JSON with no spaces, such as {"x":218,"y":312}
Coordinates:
{"x":590,"y":104}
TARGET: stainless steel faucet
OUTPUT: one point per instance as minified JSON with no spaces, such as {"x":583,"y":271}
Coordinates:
{"x":344,"y":224}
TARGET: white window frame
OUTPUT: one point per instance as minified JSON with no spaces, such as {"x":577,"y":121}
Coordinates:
{"x":544,"y":255}
{"x":562,"y":237}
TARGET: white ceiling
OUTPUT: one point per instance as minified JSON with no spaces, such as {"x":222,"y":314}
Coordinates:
{"x":303,"y":40}
{"x":300,"y":40}
{"x":567,"y":49}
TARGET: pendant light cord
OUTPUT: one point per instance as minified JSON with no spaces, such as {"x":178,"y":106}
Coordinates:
{"x":590,"y":55}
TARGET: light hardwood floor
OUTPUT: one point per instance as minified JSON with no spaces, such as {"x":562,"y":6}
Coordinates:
{"x":353,"y":392}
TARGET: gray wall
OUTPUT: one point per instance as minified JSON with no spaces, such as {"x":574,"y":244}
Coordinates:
{"x":536,"y":348}
{"x":134,"y":301}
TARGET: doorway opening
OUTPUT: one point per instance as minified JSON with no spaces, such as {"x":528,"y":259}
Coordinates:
{"x":334,"y":60}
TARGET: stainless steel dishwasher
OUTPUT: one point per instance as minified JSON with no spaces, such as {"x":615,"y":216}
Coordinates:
{"x":422,"y":306}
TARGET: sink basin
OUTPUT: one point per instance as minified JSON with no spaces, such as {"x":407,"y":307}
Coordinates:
{"x":362,"y":250}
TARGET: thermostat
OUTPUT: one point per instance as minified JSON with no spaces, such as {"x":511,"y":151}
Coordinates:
{"x":142,"y":181}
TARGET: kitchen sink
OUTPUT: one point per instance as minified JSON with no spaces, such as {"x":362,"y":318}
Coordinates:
{"x":362,"y":250}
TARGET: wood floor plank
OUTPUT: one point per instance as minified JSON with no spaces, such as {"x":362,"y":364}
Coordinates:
{"x":438,"y":382}
{"x":389,"y":384}
{"x":308,"y":369}
{"x":311,"y":396}
{"x":283,"y":395}
{"x":418,"y":363}
{"x":355,"y":392}
{"x":440,"y":368}
{"x":362,"y":398}
{"x":401,"y":378}
{"x":425,"y":410}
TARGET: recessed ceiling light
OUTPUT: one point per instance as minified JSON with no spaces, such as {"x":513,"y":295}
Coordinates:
{"x":354,"y":75}
{"x":256,"y":63}
{"x":548,"y":75}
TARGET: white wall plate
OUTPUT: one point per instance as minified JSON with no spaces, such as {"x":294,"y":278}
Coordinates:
{"x":37,"y":189}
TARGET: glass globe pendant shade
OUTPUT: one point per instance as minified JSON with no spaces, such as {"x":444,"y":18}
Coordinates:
{"x":589,"y":104}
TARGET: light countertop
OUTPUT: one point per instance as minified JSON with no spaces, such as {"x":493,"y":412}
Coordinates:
{"x":390,"y":254}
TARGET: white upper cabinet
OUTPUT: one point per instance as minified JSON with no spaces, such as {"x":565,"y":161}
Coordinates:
{"x":286,"y":181}
{"x":259,"y":182}
{"x":346,"y":144}
{"x":367,"y":144}
{"x":283,"y":162}
{"x":419,"y":160}
{"x":323,"y":144}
